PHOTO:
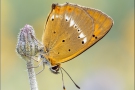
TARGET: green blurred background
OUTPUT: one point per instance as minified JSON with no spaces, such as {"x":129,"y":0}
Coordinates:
{"x":108,"y":65}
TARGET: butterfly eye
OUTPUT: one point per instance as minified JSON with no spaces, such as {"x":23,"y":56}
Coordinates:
{"x":55,"y":69}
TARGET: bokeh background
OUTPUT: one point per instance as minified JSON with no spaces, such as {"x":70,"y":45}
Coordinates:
{"x":108,"y":65}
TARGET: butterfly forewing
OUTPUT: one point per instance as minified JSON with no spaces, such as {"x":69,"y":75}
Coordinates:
{"x":68,"y":31}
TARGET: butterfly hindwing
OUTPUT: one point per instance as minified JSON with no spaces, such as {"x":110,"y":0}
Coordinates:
{"x":102,"y":24}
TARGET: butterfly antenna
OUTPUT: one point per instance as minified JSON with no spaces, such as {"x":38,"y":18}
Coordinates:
{"x":62,"y":80}
{"x":70,"y":78}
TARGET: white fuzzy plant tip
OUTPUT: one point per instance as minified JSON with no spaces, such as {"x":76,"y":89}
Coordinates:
{"x":27,"y":45}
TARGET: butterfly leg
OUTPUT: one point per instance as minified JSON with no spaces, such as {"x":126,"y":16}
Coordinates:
{"x":36,"y":66}
{"x":42,"y":69}
{"x":43,"y":61}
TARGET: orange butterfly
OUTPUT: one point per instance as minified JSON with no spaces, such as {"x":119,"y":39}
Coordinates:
{"x":70,"y":30}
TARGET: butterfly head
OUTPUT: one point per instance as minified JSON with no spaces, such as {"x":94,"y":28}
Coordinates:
{"x":53,"y":68}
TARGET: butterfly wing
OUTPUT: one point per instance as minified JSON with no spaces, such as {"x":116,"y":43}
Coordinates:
{"x":71,"y":29}
{"x":68,"y":30}
{"x":102,"y":24}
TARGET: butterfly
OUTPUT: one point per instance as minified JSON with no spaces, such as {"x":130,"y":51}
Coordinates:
{"x":70,"y":30}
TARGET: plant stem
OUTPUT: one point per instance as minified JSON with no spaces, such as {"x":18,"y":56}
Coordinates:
{"x":32,"y":75}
